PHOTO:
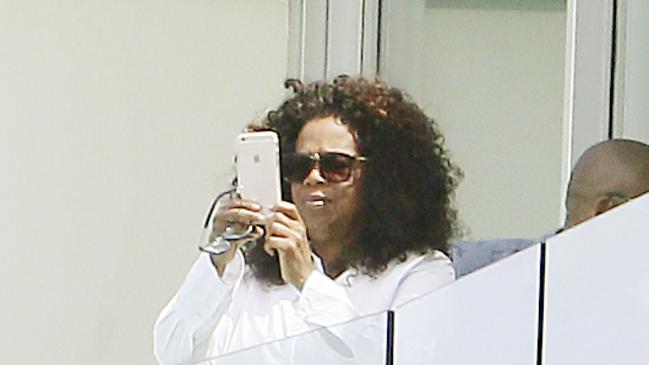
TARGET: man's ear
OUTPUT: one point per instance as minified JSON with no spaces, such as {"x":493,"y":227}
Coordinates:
{"x":604,"y":203}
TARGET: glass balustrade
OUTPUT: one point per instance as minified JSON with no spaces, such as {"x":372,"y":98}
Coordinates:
{"x":361,"y":341}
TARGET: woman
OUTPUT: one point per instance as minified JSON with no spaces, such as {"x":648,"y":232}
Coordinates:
{"x":366,"y":218}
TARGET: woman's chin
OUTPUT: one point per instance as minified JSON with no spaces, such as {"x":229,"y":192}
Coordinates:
{"x":317,"y":228}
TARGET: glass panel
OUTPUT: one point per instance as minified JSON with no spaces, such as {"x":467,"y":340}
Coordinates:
{"x":489,"y":317}
{"x":596,"y":301}
{"x":491,"y":74}
{"x":362,"y":341}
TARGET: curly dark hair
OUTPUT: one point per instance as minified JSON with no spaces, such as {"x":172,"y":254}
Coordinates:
{"x":409,"y":181}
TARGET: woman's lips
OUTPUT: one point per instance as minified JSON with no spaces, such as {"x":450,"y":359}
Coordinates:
{"x":316,"y":200}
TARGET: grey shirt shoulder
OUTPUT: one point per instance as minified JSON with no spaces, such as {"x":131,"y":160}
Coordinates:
{"x":468,"y":256}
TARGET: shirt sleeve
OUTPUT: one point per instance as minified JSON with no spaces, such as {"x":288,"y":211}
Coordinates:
{"x":426,"y":274}
{"x":201,"y":300}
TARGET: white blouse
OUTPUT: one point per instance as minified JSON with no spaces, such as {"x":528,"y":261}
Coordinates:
{"x":211,"y":315}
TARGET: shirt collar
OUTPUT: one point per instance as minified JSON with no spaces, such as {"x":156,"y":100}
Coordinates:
{"x":317,"y":262}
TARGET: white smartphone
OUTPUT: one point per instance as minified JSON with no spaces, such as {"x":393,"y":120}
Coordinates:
{"x":258,"y":169}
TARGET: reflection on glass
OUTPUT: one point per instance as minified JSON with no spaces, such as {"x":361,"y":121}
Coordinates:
{"x":361,"y":341}
{"x":491,"y":74}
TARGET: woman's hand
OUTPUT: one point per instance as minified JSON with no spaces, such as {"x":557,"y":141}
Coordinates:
{"x":286,"y":235}
{"x":235,"y":215}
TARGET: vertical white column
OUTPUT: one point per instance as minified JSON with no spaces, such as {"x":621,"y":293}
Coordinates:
{"x":589,"y":32}
{"x":314,"y":40}
{"x":344,"y":38}
{"x":588,"y":73}
{"x":296,"y":34}
{"x":631,"y":92}
{"x":334,"y":37}
{"x":371,"y":34}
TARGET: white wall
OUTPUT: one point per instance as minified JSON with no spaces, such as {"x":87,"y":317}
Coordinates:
{"x":116,"y":122}
{"x":492,"y":78}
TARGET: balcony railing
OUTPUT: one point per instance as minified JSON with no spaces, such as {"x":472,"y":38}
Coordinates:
{"x":581,"y":297}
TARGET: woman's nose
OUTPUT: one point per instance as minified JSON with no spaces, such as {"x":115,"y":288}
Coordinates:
{"x":314,"y":176}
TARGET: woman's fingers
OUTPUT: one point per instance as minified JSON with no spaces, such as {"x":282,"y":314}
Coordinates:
{"x":273,"y":244}
{"x":278,"y":237}
{"x":284,"y":226}
{"x":278,"y":229}
{"x":295,"y":262}
{"x":241,"y":215}
{"x":288,"y":209}
{"x":242,"y":203}
{"x":286,"y":236}
{"x":243,"y":211}
{"x":237,"y":214}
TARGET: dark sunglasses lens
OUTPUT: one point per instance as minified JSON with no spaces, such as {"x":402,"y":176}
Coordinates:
{"x":295,"y":166}
{"x":336,"y":167}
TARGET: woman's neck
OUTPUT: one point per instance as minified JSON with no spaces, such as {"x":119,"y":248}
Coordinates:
{"x":332,"y":255}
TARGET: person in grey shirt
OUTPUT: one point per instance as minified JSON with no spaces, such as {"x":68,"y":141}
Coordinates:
{"x":468,"y":256}
{"x":606,"y":175}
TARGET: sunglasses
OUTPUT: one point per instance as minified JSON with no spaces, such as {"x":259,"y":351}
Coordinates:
{"x":334,"y":167}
